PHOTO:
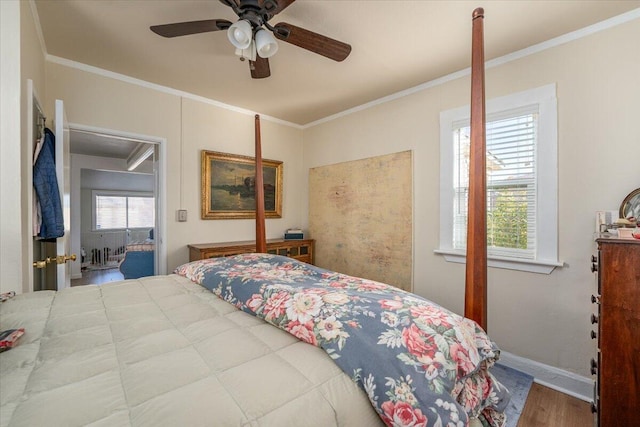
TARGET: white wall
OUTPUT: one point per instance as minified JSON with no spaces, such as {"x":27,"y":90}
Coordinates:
{"x":33,"y":68}
{"x":10,"y":217}
{"x":540,"y":317}
{"x":22,"y":59}
{"x":188,"y":126}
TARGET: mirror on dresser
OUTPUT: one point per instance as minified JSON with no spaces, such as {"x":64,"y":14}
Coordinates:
{"x":630,"y":206}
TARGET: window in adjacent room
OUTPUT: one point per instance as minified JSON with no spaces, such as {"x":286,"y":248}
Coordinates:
{"x":117,"y":210}
{"x":521,"y":139}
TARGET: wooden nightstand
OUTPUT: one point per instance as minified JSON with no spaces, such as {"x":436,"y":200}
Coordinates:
{"x":302,"y":250}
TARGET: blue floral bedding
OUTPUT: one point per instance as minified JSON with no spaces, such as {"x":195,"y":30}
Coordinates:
{"x":420,"y":364}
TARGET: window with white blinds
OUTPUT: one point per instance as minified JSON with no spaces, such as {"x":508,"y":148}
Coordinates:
{"x":121,"y":211}
{"x":521,"y":143}
{"x":511,"y":184}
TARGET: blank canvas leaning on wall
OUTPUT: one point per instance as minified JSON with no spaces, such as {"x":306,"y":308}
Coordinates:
{"x":360,"y":214}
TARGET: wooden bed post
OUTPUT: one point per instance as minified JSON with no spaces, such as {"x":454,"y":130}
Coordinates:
{"x":261,"y":241}
{"x":475,"y":305}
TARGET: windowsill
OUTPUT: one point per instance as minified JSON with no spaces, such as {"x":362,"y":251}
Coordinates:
{"x":532,"y":266}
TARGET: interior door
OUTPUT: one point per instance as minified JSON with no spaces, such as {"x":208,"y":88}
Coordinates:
{"x":63,"y":173}
{"x":49,"y":257}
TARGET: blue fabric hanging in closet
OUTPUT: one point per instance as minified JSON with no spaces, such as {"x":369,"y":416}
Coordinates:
{"x":45,"y":182}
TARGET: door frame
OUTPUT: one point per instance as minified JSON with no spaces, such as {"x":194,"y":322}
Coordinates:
{"x":55,"y":273}
{"x":63,"y":169}
{"x":33,"y":102}
{"x":160,"y":191}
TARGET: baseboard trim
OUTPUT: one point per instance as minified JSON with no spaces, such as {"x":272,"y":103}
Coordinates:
{"x":549,"y":376}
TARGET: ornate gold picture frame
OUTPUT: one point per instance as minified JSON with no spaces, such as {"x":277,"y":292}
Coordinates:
{"x":227,"y":186}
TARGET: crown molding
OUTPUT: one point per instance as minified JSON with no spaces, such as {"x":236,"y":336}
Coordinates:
{"x":531,"y":50}
{"x":160,"y":88}
{"x":36,"y":20}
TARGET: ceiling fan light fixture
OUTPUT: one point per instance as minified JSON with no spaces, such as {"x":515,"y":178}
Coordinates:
{"x":240,"y":34}
{"x":248,"y":53}
{"x":266,"y":44}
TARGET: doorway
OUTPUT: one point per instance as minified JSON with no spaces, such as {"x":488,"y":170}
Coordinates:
{"x":109,"y":165}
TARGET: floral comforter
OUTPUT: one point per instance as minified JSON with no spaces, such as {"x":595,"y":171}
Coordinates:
{"x":420,"y":364}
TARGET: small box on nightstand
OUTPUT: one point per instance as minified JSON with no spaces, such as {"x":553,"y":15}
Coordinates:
{"x":294,"y":234}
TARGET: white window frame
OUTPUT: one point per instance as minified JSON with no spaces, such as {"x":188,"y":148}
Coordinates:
{"x":546,"y":253}
{"x":96,"y":193}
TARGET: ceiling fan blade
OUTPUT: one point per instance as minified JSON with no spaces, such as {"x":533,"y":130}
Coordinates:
{"x":260,"y":68}
{"x":233,"y":4}
{"x":314,"y":42}
{"x":191,"y":27}
{"x":281,"y":5}
{"x":230,"y":3}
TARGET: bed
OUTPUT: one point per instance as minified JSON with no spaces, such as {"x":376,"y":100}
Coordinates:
{"x":176,"y":350}
{"x":226,"y":342}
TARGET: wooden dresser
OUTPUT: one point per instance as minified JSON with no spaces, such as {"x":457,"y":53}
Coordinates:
{"x":617,"y":365}
{"x":302,"y":250}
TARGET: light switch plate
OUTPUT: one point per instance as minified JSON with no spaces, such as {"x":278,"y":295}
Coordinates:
{"x":182,"y":215}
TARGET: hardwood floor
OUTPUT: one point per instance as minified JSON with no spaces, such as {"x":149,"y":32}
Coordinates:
{"x":98,"y":277}
{"x":546,"y":407}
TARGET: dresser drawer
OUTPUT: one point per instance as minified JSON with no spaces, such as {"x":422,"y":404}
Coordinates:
{"x":302,"y":250}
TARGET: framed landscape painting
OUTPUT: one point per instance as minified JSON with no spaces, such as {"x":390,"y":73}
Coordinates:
{"x":228,"y":186}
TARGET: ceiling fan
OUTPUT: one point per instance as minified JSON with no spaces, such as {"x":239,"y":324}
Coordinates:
{"x":252,"y":41}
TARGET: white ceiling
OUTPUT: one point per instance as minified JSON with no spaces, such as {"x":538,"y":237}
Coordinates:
{"x":396,"y":45}
{"x":100,"y":145}
{"x":110,"y":180}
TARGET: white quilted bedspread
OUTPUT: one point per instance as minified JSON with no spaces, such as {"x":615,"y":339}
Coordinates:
{"x":163,"y":351}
